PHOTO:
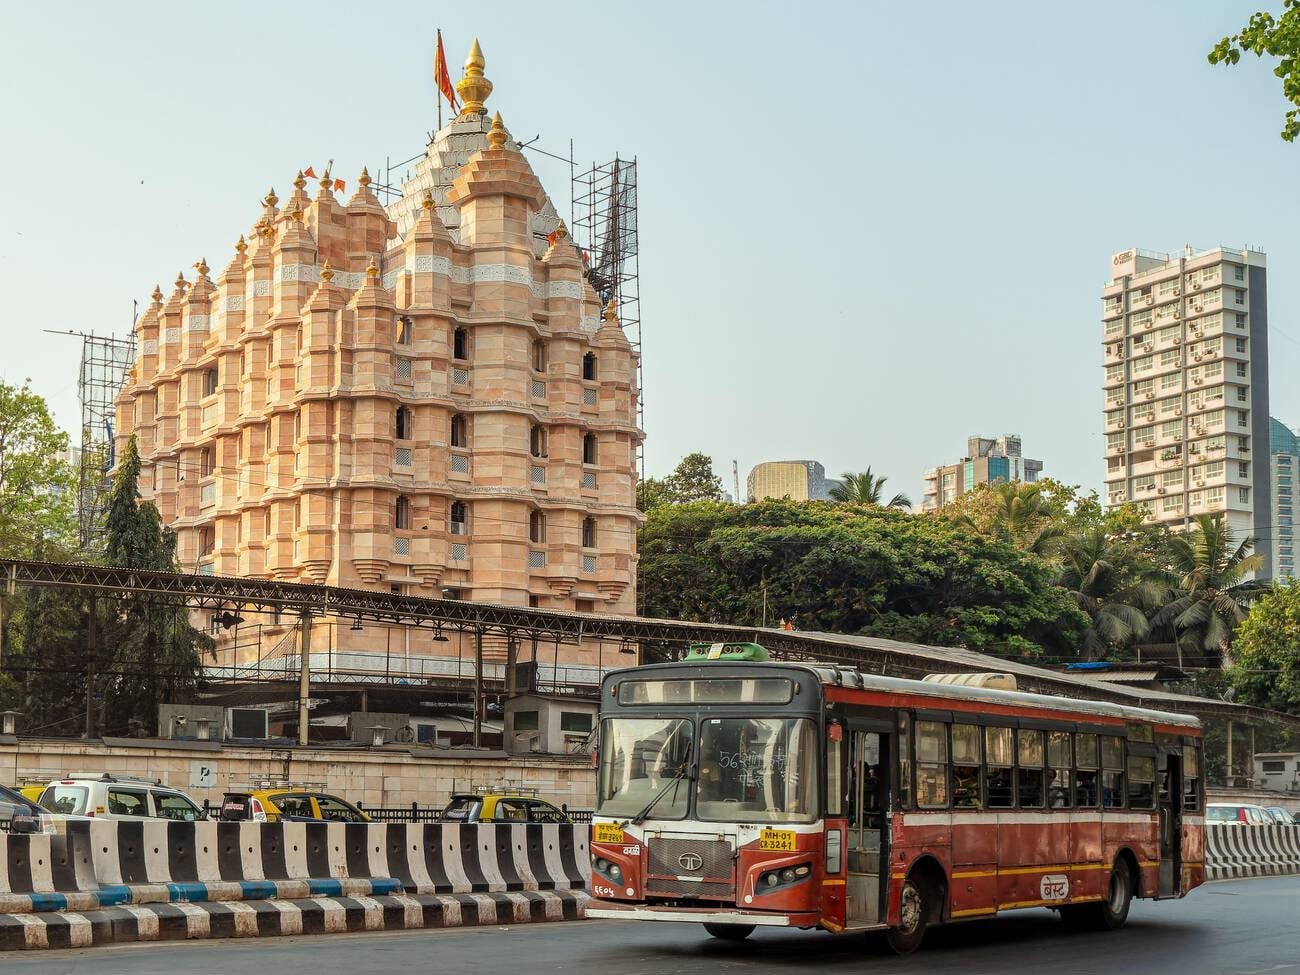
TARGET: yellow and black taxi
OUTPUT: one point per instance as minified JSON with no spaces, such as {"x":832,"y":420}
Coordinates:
{"x":288,"y":805}
{"x":501,"y":807}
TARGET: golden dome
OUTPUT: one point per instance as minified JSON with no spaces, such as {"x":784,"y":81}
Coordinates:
{"x":241,"y":245}
{"x":497,"y":135}
{"x":474,"y":88}
{"x":271,"y":199}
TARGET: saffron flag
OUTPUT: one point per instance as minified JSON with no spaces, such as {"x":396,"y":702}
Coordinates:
{"x":441,"y":78}
{"x":309,"y":172}
{"x":340,"y":185}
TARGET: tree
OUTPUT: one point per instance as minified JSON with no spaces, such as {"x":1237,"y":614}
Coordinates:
{"x":866,"y":489}
{"x":37,"y":488}
{"x":1018,"y":514}
{"x":1274,"y":37}
{"x":155,"y":652}
{"x":1111,"y":583}
{"x":1207,"y":570}
{"x":692,"y":480}
{"x":852,"y":569}
{"x":1265,"y":666}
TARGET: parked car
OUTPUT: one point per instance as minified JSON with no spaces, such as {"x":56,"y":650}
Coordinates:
{"x":1237,"y":812}
{"x":500,"y":807}
{"x":18,"y":814}
{"x":32,"y":793}
{"x":119,"y":797}
{"x":276,"y":805}
{"x":1281,"y":816}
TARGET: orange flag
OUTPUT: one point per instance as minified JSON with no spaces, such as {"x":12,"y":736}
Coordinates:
{"x":340,"y":185}
{"x":309,"y":173}
{"x":441,"y":78}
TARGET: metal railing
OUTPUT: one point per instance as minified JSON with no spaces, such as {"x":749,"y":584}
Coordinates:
{"x":415,"y":813}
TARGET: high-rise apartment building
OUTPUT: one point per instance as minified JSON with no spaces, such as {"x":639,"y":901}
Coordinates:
{"x":798,"y":480}
{"x":988,"y":460}
{"x":424,"y":396}
{"x":1185,"y":355}
{"x":1284,"y":468}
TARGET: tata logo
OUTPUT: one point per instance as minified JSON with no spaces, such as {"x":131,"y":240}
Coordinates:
{"x":690,"y":862}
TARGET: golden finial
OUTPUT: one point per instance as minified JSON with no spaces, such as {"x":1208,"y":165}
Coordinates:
{"x":157,"y":295}
{"x":181,"y":283}
{"x":372,"y":270}
{"x":497,"y":135}
{"x":326,"y":275}
{"x":364,"y":178}
{"x":474,"y":88}
{"x":201,"y":265}
{"x":427,"y":203}
{"x":326,"y":182}
{"x":611,"y":311}
{"x":296,"y":213}
{"x":271,"y":199}
{"x":561,"y":231}
{"x":300,"y":180}
{"x":241,"y":245}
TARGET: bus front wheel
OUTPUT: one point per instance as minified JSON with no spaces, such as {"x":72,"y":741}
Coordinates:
{"x":914,"y":907}
{"x":730,"y":932}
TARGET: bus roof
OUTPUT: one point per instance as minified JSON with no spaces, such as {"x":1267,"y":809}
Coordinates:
{"x":834,"y":675}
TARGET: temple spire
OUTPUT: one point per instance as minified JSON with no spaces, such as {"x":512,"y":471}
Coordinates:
{"x":474,"y":88}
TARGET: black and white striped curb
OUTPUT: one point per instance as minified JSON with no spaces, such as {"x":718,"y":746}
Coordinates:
{"x":270,"y":918}
{"x":1235,"y":850}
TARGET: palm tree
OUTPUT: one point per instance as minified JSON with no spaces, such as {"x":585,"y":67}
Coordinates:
{"x":1106,"y":580}
{"x":1023,"y":517}
{"x":867,"y":489}
{"x":1210,"y":595}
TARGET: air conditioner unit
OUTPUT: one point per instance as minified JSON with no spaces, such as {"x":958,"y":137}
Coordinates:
{"x":1150,"y":298}
{"x":1196,"y":285}
{"x":1160,"y":490}
{"x":1146,"y":346}
{"x":1177,"y":292}
{"x":1198,"y":357}
{"x":1200,"y":484}
{"x":1178,"y":411}
{"x":1200,"y":308}
{"x":1178,"y":438}
{"x":1153,"y":395}
{"x":1193,"y":448}
{"x":1197,"y":380}
{"x":1178,"y":313}
{"x":1120,"y":424}
{"x":1146,"y":325}
{"x":247,"y":723}
{"x":1151,"y":415}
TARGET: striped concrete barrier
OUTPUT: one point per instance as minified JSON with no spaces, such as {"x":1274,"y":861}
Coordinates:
{"x":1237,"y":850}
{"x":161,"y":873}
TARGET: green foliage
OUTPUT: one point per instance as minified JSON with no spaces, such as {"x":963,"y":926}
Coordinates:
{"x":852,"y":569}
{"x":866,"y":489}
{"x":1275,"y":37}
{"x":692,"y":480}
{"x":1113,"y":585}
{"x":1265,"y":665}
{"x":37,"y":489}
{"x":151,"y":646}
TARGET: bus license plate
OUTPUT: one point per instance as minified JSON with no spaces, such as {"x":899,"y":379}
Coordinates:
{"x":607,"y":833}
{"x":776,"y":839}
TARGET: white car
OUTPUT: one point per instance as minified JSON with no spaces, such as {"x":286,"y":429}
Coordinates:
{"x":1242,"y":813}
{"x":118,"y":797}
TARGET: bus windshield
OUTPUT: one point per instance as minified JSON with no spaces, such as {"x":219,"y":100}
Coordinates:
{"x":758,"y":770}
{"x":640,"y":759}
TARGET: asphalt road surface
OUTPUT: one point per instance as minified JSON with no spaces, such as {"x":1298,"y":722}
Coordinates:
{"x":1249,"y":927}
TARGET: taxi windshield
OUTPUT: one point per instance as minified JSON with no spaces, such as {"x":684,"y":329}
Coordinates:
{"x":645,"y":761}
{"x":758,"y":770}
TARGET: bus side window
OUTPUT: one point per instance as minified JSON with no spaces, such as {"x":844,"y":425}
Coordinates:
{"x":1085,"y":775}
{"x":1191,"y":778}
{"x":1141,"y":782}
{"x":999,"y":789}
{"x":1029,"y":748}
{"x":931,"y":765}
{"x":1112,"y":772}
{"x":904,"y":761}
{"x":835,"y":770}
{"x":966,"y":767}
{"x":1058,"y":769}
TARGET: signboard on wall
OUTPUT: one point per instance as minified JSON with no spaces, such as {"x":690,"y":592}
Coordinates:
{"x":203,"y":775}
{"x":1123,"y":264}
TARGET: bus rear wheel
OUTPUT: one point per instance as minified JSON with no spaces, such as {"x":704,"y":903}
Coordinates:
{"x":730,"y":932}
{"x":1110,"y":913}
{"x":914,"y":909}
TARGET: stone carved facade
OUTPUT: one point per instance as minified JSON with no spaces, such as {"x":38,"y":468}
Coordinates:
{"x":444,"y":406}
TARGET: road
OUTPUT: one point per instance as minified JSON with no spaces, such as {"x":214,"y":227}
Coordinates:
{"x":1239,"y":928}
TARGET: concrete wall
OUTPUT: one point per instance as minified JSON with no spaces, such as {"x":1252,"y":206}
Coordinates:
{"x":395,"y":775}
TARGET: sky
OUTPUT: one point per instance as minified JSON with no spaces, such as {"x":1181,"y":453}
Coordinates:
{"x":868,"y":230}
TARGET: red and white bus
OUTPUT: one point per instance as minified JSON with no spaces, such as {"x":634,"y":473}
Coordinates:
{"x":739,"y":792}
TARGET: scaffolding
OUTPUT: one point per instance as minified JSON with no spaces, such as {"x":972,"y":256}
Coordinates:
{"x":605,"y":227}
{"x":105,"y":360}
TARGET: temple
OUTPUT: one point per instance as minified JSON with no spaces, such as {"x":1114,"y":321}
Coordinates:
{"x":426,"y":397}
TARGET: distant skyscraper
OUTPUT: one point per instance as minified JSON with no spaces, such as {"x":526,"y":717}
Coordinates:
{"x":988,"y":460}
{"x":1185,"y":352}
{"x":798,"y":480}
{"x":1284,"y":466}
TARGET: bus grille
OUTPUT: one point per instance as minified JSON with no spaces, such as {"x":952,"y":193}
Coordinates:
{"x":716,"y":870}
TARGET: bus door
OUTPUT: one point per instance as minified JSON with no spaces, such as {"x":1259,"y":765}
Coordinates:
{"x":1169,"y":773}
{"x":868,"y":838}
